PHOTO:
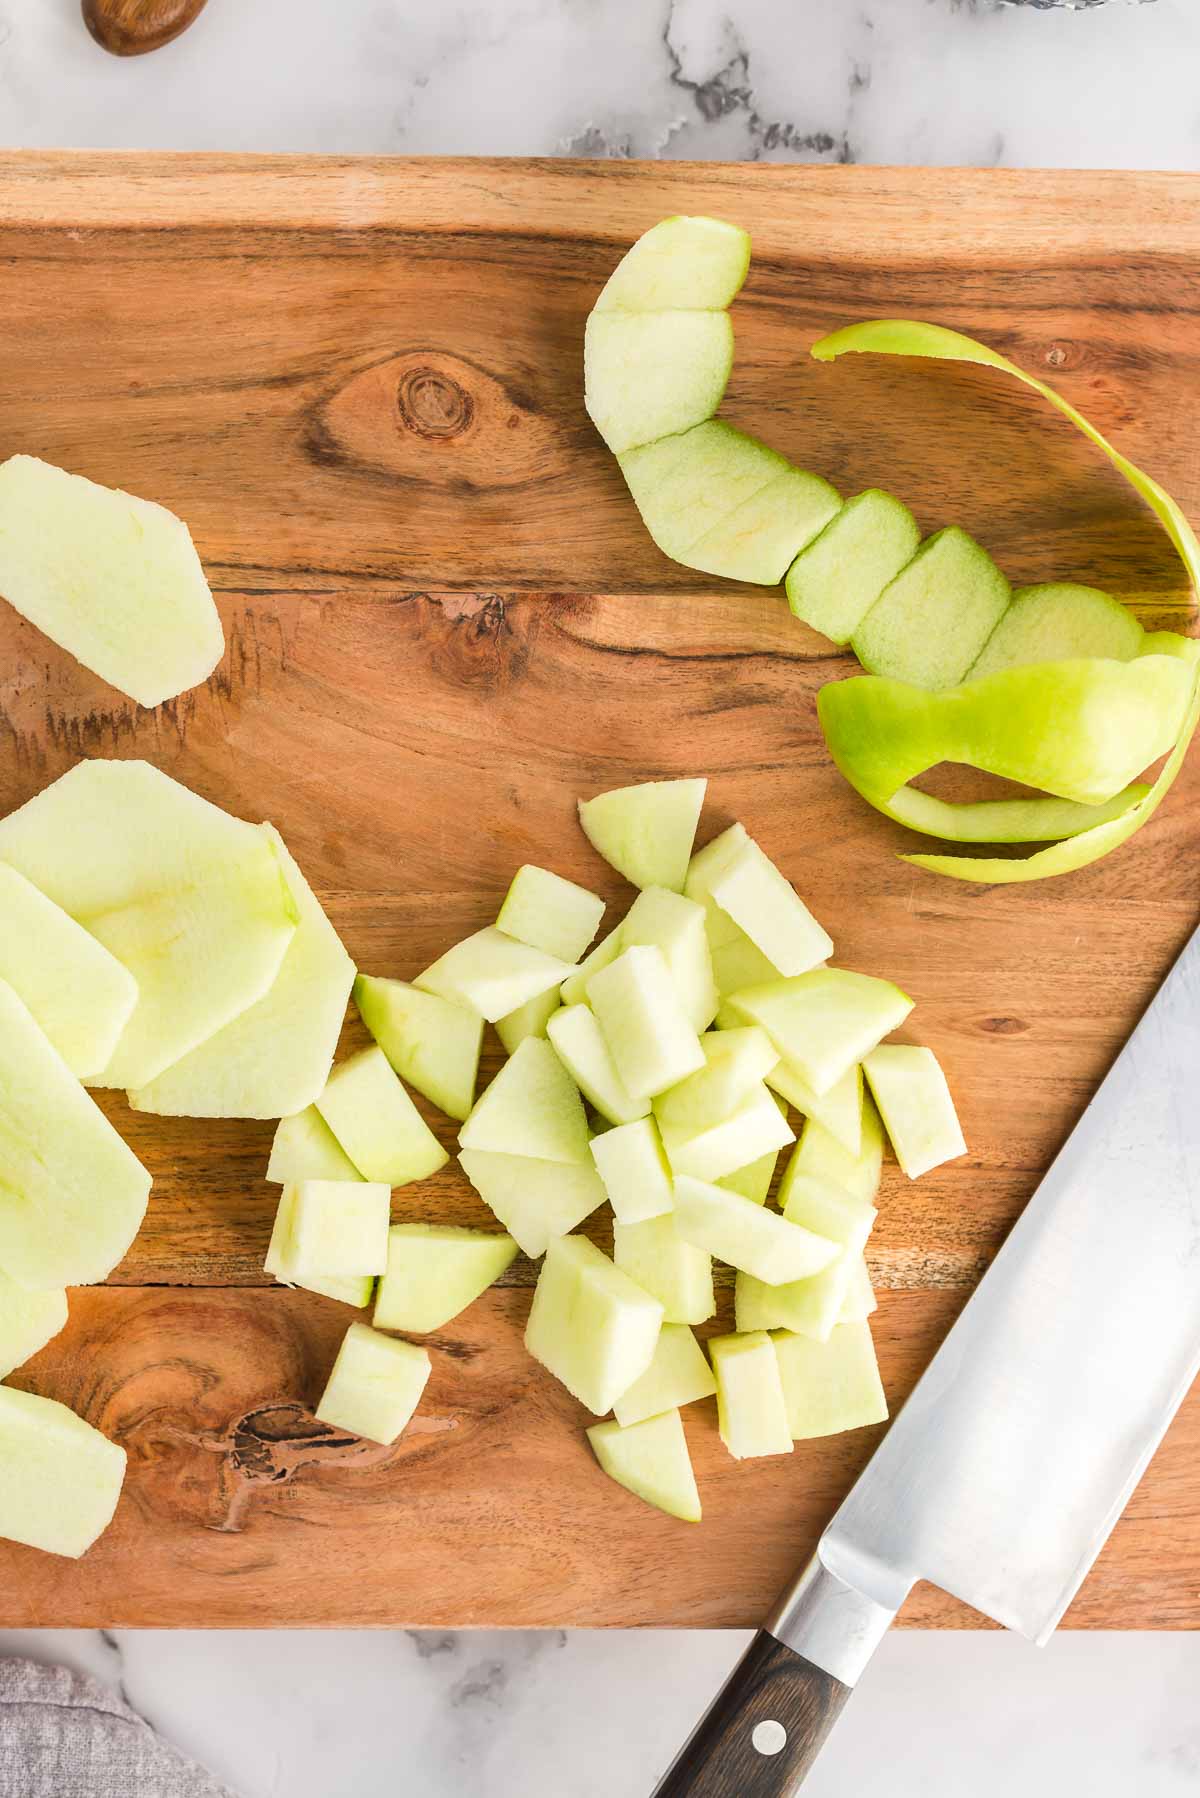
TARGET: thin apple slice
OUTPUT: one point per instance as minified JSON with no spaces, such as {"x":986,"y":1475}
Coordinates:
{"x":580,"y":1046}
{"x":28,"y":1321}
{"x":81,"y":996}
{"x":830,"y":1386}
{"x":736,"y":1062}
{"x":590,"y":1325}
{"x":532,"y":1109}
{"x":492,"y":973}
{"x":550,"y":913}
{"x":679,"y":1275}
{"x":60,"y":1479}
{"x":431,"y":1042}
{"x":678,"y":1375}
{"x":375,"y":1386}
{"x":760,"y":539}
{"x":746,"y":1235}
{"x":305,"y":1148}
{"x":825,"y":1021}
{"x":1056,"y":621}
{"x":836,"y":579}
{"x":751,"y":1407}
{"x":931,"y":622}
{"x":680,"y":262}
{"x":529,"y":1019}
{"x":650,"y":1459}
{"x":112,"y":579}
{"x":348,"y":1289}
{"x":646,"y":832}
{"x":434,"y":1271}
{"x":675,"y":925}
{"x":914,"y":1102}
{"x":650,"y":374}
{"x":377,"y":1123}
{"x":755,"y":1129}
{"x":684,"y":485}
{"x":839,"y":1110}
{"x":274,"y":1058}
{"x":649,"y":1034}
{"x":633,"y":1167}
{"x":534,"y":1200}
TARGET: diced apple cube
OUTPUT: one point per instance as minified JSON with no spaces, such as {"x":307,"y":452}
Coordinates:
{"x":434,"y":1271}
{"x":532,"y":1109}
{"x":830,"y":1386}
{"x":633,"y":1167}
{"x":822,"y":1157}
{"x":28,"y":1321}
{"x":492,"y":973}
{"x":305,"y":1148}
{"x":739,"y":964}
{"x":676,"y":926}
{"x":813,"y":1306}
{"x":347,"y":1289}
{"x":736,"y":1062}
{"x":679,"y":1276}
{"x":747,"y":886}
{"x":377,"y":1123}
{"x":751,"y":1408}
{"x":338,"y":1228}
{"x":752,"y":1131}
{"x":534,"y":1200}
{"x":753,"y":1182}
{"x":678,"y":1375}
{"x":60,"y":1479}
{"x":79,"y":994}
{"x":914,"y":1101}
{"x":529,"y":1019}
{"x":824,"y":1021}
{"x":430,"y":1041}
{"x":839,"y":1110}
{"x":590,"y":1325}
{"x":648,"y":1032}
{"x":550,"y":913}
{"x":748,"y":1236}
{"x":580,"y":1046}
{"x":650,"y":1459}
{"x":646,"y":832}
{"x":375,"y":1386}
{"x":573,"y":990}
{"x":860,"y":1300}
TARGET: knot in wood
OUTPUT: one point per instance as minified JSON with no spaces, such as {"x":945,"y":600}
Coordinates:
{"x":432,"y":403}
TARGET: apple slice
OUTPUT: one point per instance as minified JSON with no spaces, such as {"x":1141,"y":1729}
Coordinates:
{"x":830,"y":1386}
{"x":820,"y":1156}
{"x":305,"y":1148}
{"x":678,"y":1375}
{"x":753,"y":1182}
{"x":431,"y":1042}
{"x":860,"y":1299}
{"x":755,"y":1129}
{"x":736,"y":1062}
{"x":348,"y":1289}
{"x":825,"y":1021}
{"x":113,"y":580}
{"x":656,"y":1257}
{"x":839,"y":1110}
{"x":375,"y":1386}
{"x":739,"y":963}
{"x":191,"y":901}
{"x":590,"y":1325}
{"x":434,"y":1271}
{"x":836,"y":579}
{"x":550,"y":913}
{"x":531,"y":1109}
{"x":580,"y":1046}
{"x":274,"y":1058}
{"x":650,"y":374}
{"x":931,"y":622}
{"x":748,"y":1236}
{"x":646,"y":832}
{"x":633,"y":1167}
{"x":686,"y":484}
{"x":751,"y":1408}
{"x":914,"y":1102}
{"x":651,"y":1460}
{"x":492,"y":973}
{"x":574,"y":988}
{"x":1056,"y":621}
{"x":72,"y":1195}
{"x":529,"y":1019}
{"x":681,"y":262}
{"x":79,"y":994}
{"x":28,"y":1321}
{"x":534,"y":1200}
{"x":811,"y":1307}
{"x":338,"y":1228}
{"x":653,"y":1042}
{"x":377,"y":1123}
{"x":747,"y":886}
{"x":760,"y":539}
{"x":60,"y":1479}
{"x":668,"y":921}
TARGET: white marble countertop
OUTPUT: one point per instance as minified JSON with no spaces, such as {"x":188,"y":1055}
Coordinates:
{"x":905,"y":81}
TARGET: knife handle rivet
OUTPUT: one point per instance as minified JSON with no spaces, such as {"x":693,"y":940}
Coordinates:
{"x":769,"y":1737}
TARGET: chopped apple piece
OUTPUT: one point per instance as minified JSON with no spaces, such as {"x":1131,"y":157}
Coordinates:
{"x":72,"y":1195}
{"x":431,"y":1042}
{"x":753,"y":1182}
{"x":747,"y":886}
{"x":274,"y":1058}
{"x":434,"y":1271}
{"x":377,"y":1123}
{"x":534,"y":1200}
{"x":704,"y":865}
{"x":930,"y":622}
{"x":633,"y":1167}
{"x":550,"y":913}
{"x":60,"y":1479}
{"x":830,"y":1386}
{"x":740,"y":963}
{"x":79,"y":994}
{"x":28,"y":1321}
{"x":752,"y":1131}
{"x":813,"y":1306}
{"x":751,"y":1408}
{"x":529,"y":1019}
{"x":574,"y":988}
{"x":834,"y":582}
{"x":305,"y":1148}
{"x":676,"y":926}
{"x":348,"y":1289}
{"x":191,"y":901}
{"x":686,"y":484}
{"x":531,"y":1109}
{"x":375,"y":1386}
{"x":650,"y":1459}
{"x":760,"y":539}
{"x":338,"y":1227}
{"x":649,"y":1034}
{"x":492,"y":973}
{"x":590,"y":1325}
{"x":824,"y":1021}
{"x":580,"y":1046}
{"x":680,"y":262}
{"x":650,"y":374}
{"x":657,"y":1258}
{"x":646,"y":832}
{"x":860,"y":1299}
{"x":678,"y":1375}
{"x":839,"y":1110}
{"x":914,"y":1101}
{"x":746,"y":1235}
{"x":112,"y":579}
{"x":820,"y":1156}
{"x":736,"y":1062}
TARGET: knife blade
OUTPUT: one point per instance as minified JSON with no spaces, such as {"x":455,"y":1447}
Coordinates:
{"x":1003,"y":1475}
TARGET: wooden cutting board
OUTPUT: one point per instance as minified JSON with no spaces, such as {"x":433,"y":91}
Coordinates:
{"x":360,"y":383}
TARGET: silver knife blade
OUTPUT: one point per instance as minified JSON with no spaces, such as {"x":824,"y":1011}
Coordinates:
{"x":1004,"y":1473}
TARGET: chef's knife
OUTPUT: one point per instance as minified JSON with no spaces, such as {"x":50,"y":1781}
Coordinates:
{"x":1006,"y":1470}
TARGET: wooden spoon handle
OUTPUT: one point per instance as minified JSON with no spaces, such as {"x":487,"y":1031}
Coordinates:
{"x":763,"y":1731}
{"x":131,"y":27}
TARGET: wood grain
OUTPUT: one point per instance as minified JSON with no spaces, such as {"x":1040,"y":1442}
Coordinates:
{"x":359,"y":381}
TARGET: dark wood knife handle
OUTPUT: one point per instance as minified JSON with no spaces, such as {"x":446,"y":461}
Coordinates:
{"x":133,"y":27}
{"x":771,"y":1685}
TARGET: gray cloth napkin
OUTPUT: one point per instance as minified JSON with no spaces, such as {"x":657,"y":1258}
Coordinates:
{"x":65,"y":1736}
